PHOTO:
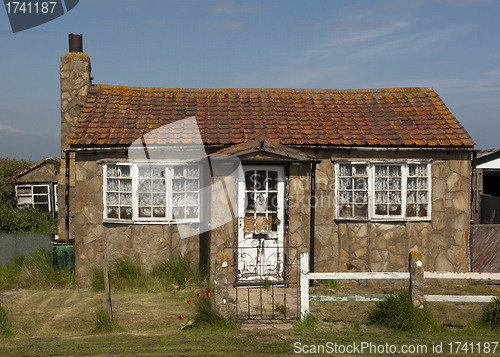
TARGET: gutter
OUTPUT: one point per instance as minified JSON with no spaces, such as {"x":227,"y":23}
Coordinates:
{"x":66,"y":196}
{"x":324,"y":147}
{"x":312,"y":220}
{"x":370,"y":148}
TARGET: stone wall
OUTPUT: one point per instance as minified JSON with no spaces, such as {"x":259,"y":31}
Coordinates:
{"x":146,"y":244}
{"x":299,"y":211}
{"x":342,"y":245}
{"x":339,"y":245}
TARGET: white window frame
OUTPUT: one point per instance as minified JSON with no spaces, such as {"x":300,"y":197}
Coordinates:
{"x":405,"y":176}
{"x":169,"y":193}
{"x":32,"y":195}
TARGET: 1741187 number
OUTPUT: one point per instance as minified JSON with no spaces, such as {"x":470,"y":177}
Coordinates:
{"x":32,"y":7}
{"x":471,"y":347}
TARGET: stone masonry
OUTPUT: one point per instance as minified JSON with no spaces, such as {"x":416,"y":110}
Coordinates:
{"x":343,"y":245}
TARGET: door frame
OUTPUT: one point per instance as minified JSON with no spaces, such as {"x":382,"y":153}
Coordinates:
{"x":282,"y":230}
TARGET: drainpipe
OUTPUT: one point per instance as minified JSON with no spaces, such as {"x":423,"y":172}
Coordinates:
{"x":66,"y":197}
{"x":313,"y":213}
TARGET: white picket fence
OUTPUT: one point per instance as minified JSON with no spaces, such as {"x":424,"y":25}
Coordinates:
{"x":305,"y":276}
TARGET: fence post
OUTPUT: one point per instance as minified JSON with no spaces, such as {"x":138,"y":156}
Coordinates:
{"x":417,"y":279}
{"x":304,"y":284}
{"x":221,"y":281}
{"x":107,"y":289}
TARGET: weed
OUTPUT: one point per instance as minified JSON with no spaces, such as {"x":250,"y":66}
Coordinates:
{"x":440,"y":308}
{"x":6,"y":326}
{"x":35,"y":272}
{"x":330,"y":284}
{"x":266,"y":284}
{"x":280,"y":308}
{"x":205,"y":314}
{"x":179,"y":271}
{"x":97,"y":278}
{"x":102,"y":323}
{"x":125,"y":274}
{"x":399,"y":313}
{"x":437,"y":284}
{"x":307,"y":322}
{"x":490,"y":316}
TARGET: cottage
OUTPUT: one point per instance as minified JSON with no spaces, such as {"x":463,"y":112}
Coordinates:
{"x":256,"y":176}
{"x":37,"y":185}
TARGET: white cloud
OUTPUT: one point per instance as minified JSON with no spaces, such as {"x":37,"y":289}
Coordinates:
{"x":336,"y":41}
{"x":9,"y":128}
{"x":495,"y":73}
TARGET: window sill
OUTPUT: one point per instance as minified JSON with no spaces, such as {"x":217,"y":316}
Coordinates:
{"x":382,"y":220}
{"x":137,"y":222}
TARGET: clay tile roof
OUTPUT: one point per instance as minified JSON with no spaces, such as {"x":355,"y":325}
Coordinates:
{"x":118,"y":115}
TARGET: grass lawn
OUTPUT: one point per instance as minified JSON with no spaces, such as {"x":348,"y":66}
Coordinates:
{"x":60,"y":323}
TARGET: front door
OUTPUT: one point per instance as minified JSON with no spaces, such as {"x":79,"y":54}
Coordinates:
{"x":260,"y":225}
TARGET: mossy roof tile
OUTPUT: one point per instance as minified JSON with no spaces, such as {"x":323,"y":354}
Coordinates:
{"x":377,"y":117}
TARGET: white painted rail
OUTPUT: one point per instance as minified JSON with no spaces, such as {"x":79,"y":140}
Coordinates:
{"x":458,"y":298}
{"x":305,"y":276}
{"x":360,"y":275}
{"x":456,"y":275}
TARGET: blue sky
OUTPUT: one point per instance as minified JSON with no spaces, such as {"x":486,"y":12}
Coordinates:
{"x":450,"y":45}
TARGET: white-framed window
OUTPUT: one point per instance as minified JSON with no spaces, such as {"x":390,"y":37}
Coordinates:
{"x":34,"y":195}
{"x":159,"y":192}
{"x":383,"y":190}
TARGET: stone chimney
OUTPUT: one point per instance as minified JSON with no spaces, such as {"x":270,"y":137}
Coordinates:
{"x":75,"y":84}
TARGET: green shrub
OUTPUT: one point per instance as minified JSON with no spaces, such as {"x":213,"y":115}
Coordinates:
{"x":490,"y":316}
{"x":35,"y":272}
{"x":399,"y":313}
{"x":6,"y":326}
{"x":8,"y":168}
{"x":306,"y":322}
{"x":25,"y":220}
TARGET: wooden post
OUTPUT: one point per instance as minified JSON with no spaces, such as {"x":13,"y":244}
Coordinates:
{"x":304,"y":284}
{"x":108,"y":291}
{"x":417,"y":279}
